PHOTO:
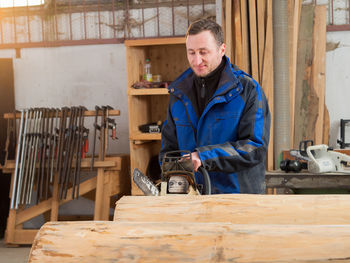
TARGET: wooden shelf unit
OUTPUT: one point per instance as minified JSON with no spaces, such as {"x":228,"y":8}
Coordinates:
{"x":168,"y":59}
{"x":112,"y":180}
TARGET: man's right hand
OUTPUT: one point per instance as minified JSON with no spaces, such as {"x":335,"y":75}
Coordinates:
{"x":196,"y":161}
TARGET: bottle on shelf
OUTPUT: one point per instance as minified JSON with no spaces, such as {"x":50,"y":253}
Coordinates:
{"x":147,"y":73}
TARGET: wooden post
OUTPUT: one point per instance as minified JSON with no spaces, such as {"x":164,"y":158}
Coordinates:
{"x":99,"y":195}
{"x":55,"y":199}
{"x":11,"y":219}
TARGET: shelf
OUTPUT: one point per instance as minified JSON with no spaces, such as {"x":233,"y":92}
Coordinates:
{"x":154,"y":41}
{"x":155,"y":91}
{"x":139,"y":136}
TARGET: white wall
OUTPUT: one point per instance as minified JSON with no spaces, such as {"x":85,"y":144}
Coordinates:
{"x":72,"y":76}
{"x":338,"y":83}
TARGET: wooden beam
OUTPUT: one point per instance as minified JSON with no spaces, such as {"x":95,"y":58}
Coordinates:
{"x":236,"y":209}
{"x":294,"y":8}
{"x":189,"y":242}
{"x":319,"y":66}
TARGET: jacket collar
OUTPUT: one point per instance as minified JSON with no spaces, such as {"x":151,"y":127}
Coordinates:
{"x":228,"y":81}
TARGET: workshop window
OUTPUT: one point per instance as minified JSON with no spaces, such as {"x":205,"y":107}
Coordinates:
{"x":18,"y":3}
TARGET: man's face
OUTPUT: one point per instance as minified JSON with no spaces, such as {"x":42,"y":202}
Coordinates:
{"x":203,"y":53}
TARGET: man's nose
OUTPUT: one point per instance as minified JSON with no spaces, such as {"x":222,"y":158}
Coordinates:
{"x":197,"y":59}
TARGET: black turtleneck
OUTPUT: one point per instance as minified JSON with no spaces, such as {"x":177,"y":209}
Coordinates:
{"x":205,"y":87}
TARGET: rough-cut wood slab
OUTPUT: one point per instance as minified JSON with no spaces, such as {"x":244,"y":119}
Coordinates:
{"x":237,"y":209}
{"x":306,"y":99}
{"x":189,"y":242}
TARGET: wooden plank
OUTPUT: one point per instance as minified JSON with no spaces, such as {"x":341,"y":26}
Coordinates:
{"x":254,"y":60}
{"x":261,"y":15}
{"x":236,"y":209}
{"x":228,"y":29}
{"x":237,"y":34}
{"x":294,"y":18}
{"x":189,"y":242}
{"x":319,"y":67}
{"x":306,"y":100}
{"x":156,"y":91}
{"x":154,"y":41}
{"x":267,"y":81}
{"x":245,"y":37}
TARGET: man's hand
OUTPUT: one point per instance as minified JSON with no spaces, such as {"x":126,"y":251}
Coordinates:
{"x":196,"y":161}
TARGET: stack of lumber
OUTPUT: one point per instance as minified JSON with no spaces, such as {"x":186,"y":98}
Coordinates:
{"x":220,"y":228}
{"x":249,"y":39}
{"x":249,"y":44}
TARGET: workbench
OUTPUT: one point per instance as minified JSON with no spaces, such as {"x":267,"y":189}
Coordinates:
{"x":280,"y":182}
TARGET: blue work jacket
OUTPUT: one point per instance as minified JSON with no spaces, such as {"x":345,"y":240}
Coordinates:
{"x":231,"y":136}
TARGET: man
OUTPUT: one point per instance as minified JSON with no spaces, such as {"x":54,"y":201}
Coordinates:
{"x":220,"y":114}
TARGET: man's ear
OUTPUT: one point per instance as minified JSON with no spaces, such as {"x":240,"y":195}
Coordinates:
{"x":222,"y":49}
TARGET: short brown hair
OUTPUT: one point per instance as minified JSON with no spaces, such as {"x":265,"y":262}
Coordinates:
{"x":206,"y":24}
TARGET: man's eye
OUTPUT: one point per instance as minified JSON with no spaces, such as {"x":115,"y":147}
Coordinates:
{"x":203,"y":52}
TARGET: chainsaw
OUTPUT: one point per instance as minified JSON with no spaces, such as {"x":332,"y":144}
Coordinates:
{"x":178,"y":177}
{"x":323,"y":159}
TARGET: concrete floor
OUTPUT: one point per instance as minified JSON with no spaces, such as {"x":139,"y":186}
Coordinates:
{"x":13,"y":255}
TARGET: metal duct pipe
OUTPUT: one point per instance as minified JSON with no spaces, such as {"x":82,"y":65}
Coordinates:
{"x":281,"y":79}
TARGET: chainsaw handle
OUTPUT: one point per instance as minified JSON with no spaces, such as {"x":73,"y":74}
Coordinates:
{"x":206,"y":179}
{"x":313,"y":148}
